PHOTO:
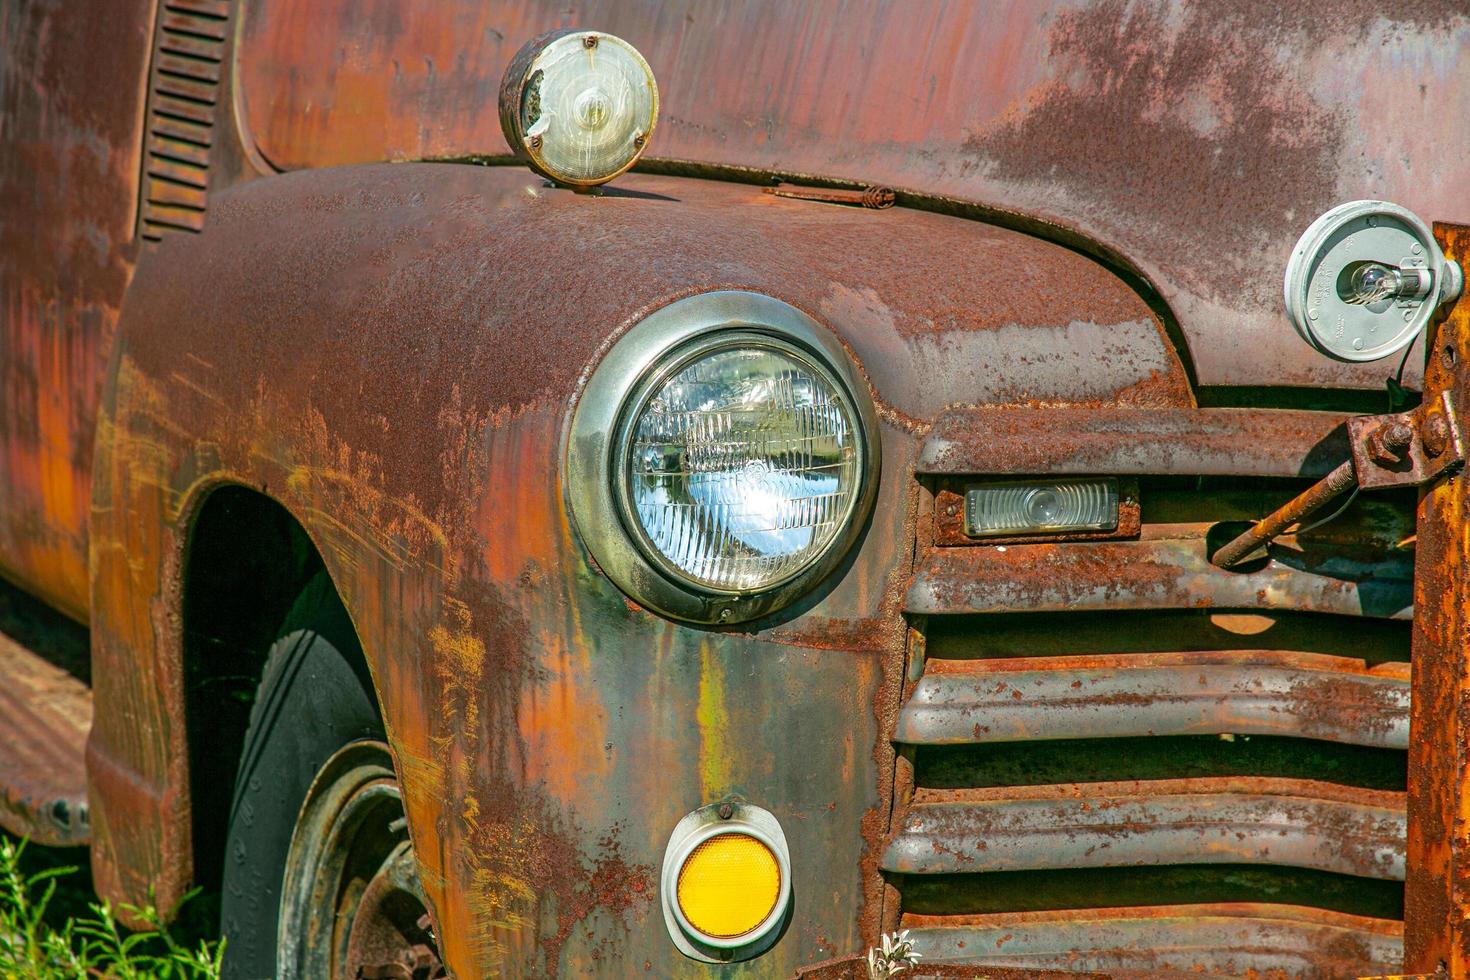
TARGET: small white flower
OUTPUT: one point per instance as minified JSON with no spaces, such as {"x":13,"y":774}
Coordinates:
{"x":893,"y":956}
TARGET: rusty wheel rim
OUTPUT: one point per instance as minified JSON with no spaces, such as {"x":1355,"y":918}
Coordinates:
{"x":352,"y":907}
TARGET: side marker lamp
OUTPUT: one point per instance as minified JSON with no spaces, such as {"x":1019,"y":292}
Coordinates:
{"x":578,"y":107}
{"x":726,"y":882}
{"x":1040,"y":507}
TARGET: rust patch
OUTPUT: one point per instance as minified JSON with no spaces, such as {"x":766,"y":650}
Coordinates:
{"x":1437,"y":890}
{"x":526,"y":859}
{"x":1202,"y":99}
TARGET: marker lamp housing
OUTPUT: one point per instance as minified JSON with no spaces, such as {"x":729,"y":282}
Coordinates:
{"x":578,"y":107}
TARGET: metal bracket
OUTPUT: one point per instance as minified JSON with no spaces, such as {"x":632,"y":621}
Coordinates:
{"x":1409,"y":448}
{"x":1405,"y":449}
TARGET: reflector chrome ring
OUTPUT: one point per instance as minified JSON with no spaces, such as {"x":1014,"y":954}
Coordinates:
{"x":681,"y":855}
{"x":694,"y":829}
{"x":596,"y":448}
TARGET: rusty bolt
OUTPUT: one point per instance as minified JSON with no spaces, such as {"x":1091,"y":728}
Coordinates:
{"x":590,"y":41}
{"x":1436,"y":434}
{"x":639,"y":140}
{"x":727,"y":810}
{"x":1388,"y":444}
{"x":535,"y":142}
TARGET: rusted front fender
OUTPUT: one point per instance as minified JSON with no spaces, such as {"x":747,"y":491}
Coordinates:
{"x":392,"y":352}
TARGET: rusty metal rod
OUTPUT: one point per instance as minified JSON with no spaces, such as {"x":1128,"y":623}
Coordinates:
{"x":875,"y":197}
{"x":1309,"y":502}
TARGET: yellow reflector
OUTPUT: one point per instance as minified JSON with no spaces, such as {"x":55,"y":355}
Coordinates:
{"x":728,"y":885}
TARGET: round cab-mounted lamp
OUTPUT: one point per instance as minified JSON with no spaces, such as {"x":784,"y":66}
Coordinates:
{"x":1365,"y":280}
{"x":578,"y":107}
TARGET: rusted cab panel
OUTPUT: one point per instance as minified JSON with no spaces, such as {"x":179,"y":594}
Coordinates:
{"x":1194,"y":140}
{"x":71,"y":107}
{"x":403,"y":388}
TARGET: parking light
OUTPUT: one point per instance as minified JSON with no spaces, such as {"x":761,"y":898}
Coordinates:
{"x":1041,"y":507}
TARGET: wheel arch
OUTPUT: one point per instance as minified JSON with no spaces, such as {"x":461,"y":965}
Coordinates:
{"x":248,"y":562}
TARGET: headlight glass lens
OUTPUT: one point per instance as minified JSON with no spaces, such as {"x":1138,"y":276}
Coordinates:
{"x":743,"y":466}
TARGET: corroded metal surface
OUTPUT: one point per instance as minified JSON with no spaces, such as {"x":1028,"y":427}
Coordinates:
{"x":1243,"y":693}
{"x":71,"y":94}
{"x":1164,"y":573}
{"x":1047,"y":669}
{"x":46,"y":714}
{"x":1091,"y":441}
{"x":402,"y":388}
{"x":1237,"y":940}
{"x":1437,"y":893}
{"x":1196,"y":821}
{"x":1196,"y":140}
{"x":1408,"y":449}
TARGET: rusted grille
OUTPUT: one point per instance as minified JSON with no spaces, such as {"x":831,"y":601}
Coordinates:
{"x":188,"y":59}
{"x":1124,"y":758}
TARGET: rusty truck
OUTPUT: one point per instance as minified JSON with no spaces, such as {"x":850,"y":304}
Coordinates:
{"x":743,"y":489}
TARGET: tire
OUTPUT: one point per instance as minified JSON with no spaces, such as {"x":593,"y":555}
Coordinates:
{"x":313,"y":700}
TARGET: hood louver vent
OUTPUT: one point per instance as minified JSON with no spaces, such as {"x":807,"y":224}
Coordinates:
{"x":184,"y":90}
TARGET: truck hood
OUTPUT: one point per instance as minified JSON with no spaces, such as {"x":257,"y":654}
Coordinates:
{"x":1191,"y":141}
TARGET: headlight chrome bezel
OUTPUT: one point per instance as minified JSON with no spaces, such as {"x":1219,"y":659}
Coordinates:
{"x":606,"y":412}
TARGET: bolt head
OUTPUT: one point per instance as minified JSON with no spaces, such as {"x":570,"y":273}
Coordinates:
{"x":1436,"y":435}
{"x":590,"y":41}
{"x":726,"y":811}
{"x":1388,"y":445}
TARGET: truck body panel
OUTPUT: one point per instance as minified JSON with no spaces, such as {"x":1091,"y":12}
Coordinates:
{"x":72,"y":89}
{"x":346,"y":305}
{"x":403,"y":391}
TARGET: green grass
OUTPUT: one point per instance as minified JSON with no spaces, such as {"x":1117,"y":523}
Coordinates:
{"x":52,"y":926}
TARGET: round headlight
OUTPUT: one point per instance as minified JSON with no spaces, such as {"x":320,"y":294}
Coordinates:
{"x":722,"y":459}
{"x":742,"y":463}
{"x":578,"y":106}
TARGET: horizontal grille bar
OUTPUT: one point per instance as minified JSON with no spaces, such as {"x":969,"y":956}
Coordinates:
{"x":1241,"y":693}
{"x":1231,"y":939}
{"x":1134,"y":442}
{"x":1171,"y":573}
{"x":1296,"y":823}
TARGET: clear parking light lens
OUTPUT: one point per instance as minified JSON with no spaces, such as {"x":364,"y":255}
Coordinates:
{"x":996,"y":509}
{"x":743,"y":466}
{"x":581,"y":107}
